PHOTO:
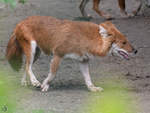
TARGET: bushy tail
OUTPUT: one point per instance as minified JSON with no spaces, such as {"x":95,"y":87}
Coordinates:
{"x":14,"y":53}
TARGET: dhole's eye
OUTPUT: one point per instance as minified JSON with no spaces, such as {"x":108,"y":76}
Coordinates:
{"x":124,"y":43}
{"x":109,"y":34}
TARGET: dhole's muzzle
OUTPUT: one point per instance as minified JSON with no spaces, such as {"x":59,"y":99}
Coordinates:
{"x":115,"y":49}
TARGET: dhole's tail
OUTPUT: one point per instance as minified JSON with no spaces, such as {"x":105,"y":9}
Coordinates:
{"x":14,"y":53}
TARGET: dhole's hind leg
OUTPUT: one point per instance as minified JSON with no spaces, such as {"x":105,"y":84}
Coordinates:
{"x":30,"y":52}
{"x":24,"y":80}
{"x":84,"y":68}
{"x":36,"y":56}
{"x":52,"y":72}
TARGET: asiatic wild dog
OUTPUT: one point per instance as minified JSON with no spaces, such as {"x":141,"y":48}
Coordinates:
{"x":64,"y":39}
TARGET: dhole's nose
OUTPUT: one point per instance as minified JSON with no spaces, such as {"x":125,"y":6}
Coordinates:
{"x":135,"y":51}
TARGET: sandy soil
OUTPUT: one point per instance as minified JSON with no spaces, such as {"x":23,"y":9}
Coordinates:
{"x":68,"y":91}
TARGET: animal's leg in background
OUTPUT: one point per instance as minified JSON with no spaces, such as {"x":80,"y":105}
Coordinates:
{"x":82,"y":7}
{"x":52,"y":72}
{"x":122,"y":6}
{"x":138,"y":5}
{"x":101,"y":13}
{"x":84,"y":68}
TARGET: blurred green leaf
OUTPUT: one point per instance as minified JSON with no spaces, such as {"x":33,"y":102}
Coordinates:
{"x":7,"y":104}
{"x":114,"y":99}
{"x":12,"y":3}
{"x":22,"y":1}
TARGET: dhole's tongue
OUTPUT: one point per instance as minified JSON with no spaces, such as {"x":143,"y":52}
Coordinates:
{"x":125,"y":55}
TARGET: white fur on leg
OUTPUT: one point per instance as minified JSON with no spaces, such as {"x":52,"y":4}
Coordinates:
{"x":45,"y":87}
{"x":24,"y":80}
{"x":45,"y":84}
{"x":33,"y":79}
{"x":85,"y":71}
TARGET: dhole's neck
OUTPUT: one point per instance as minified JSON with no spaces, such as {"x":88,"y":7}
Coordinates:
{"x":98,"y":45}
{"x":106,"y":45}
{"x":102,"y":48}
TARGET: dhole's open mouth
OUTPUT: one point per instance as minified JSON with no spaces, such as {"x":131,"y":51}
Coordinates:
{"x":124,"y":54}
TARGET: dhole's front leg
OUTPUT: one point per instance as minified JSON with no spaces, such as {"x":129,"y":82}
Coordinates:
{"x":84,"y":68}
{"x":52,"y":72}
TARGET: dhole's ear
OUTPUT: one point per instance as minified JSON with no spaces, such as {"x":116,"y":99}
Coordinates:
{"x":103,"y":32}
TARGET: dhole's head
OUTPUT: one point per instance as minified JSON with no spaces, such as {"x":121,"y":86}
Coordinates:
{"x":120,"y":46}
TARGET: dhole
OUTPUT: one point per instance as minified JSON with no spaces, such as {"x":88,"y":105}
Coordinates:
{"x":64,"y":39}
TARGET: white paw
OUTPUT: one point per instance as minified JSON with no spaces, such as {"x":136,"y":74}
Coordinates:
{"x":95,"y":89}
{"x":89,"y":16}
{"x":35,"y":83}
{"x":45,"y":87}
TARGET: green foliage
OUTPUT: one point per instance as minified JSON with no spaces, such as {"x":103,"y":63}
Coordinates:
{"x":114,"y":99}
{"x":8,"y":97}
{"x":22,"y":1}
{"x":12,"y":3}
{"x":7,"y":104}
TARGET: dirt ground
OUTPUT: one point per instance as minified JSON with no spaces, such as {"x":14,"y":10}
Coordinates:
{"x":68,"y":91}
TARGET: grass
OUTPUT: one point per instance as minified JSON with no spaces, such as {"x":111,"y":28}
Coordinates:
{"x":7,"y":103}
{"x":11,"y":91}
{"x":114,"y":99}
